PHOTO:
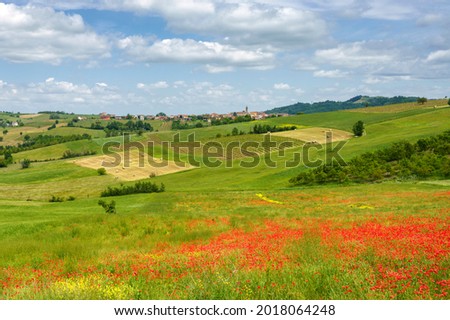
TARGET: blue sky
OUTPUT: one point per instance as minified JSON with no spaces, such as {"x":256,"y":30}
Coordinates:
{"x":199,"y":56}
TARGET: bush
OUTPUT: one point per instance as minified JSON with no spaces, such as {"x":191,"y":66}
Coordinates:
{"x":139,"y":187}
{"x":56,"y":199}
{"x":110,"y":208}
{"x":101,"y":171}
{"x":25,"y":163}
{"x":3,"y":163}
{"x":71,"y":154}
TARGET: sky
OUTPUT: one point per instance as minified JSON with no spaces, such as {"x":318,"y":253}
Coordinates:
{"x":203,"y":56}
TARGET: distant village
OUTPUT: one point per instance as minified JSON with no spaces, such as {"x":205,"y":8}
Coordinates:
{"x":255,"y":115}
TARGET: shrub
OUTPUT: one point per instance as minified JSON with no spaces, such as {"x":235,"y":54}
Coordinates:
{"x":56,"y":199}
{"x":71,"y":154}
{"x":139,"y":187}
{"x":25,"y":163}
{"x":110,"y":208}
{"x":101,"y":171}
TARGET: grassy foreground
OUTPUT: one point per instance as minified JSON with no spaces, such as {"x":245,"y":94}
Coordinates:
{"x":388,"y":241}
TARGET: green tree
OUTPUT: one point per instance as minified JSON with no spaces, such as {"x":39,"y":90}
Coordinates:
{"x":25,"y":163}
{"x":422,"y":100}
{"x":110,"y":208}
{"x":235,"y":131}
{"x":359,"y":128}
{"x":448,"y":102}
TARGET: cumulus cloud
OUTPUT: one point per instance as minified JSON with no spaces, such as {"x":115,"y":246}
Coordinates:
{"x":330,"y":74}
{"x":439,"y":56}
{"x":281,"y":86}
{"x":29,"y":34}
{"x":57,"y":94}
{"x":259,"y":25}
{"x":192,"y":51}
{"x":250,"y":23}
{"x":156,"y":85}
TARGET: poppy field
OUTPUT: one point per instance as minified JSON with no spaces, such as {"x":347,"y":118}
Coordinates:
{"x":385,"y":241}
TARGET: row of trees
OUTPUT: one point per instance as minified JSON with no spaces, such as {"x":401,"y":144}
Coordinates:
{"x":426,"y":158}
{"x":265,"y":128}
{"x":115,"y":128}
{"x":139,"y":187}
{"x":42,"y":141}
{"x":236,"y":119}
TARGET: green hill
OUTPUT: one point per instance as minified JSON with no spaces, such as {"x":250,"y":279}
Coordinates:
{"x":353,"y":103}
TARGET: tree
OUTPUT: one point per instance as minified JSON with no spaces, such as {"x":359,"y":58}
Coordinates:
{"x":8,"y":157}
{"x":235,"y":131}
{"x":5,"y":132}
{"x":448,"y":102}
{"x":110,"y":208}
{"x":422,"y":100}
{"x":25,"y":163}
{"x":358,"y":128}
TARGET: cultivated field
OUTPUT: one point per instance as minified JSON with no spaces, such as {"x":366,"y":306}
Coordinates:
{"x":317,"y":135}
{"x":132,"y":166}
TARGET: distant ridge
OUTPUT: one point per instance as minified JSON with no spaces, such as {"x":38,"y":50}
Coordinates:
{"x":353,"y":103}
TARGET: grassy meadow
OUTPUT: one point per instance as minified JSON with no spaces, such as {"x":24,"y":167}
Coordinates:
{"x":228,"y":232}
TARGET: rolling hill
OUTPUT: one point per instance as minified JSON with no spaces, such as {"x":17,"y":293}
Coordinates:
{"x":353,"y":103}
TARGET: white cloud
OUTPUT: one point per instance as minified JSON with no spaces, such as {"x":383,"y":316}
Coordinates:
{"x":192,"y":51}
{"x":266,"y":24}
{"x":151,"y":86}
{"x":258,"y":25}
{"x":439,"y":56}
{"x":29,"y":34}
{"x":330,"y":74}
{"x":218,"y":69}
{"x":358,"y":54}
{"x":371,"y":80}
{"x":55,"y":94}
{"x":390,"y":10}
{"x":281,"y":86}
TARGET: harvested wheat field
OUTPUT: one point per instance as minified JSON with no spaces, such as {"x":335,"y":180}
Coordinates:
{"x":315,"y":135}
{"x":138,"y":166}
{"x":29,"y":116}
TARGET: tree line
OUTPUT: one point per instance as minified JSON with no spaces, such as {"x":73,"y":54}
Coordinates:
{"x":428,"y":157}
{"x":42,"y":141}
{"x":139,"y":187}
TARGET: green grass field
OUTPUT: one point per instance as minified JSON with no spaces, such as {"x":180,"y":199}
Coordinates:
{"x":229,"y":232}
